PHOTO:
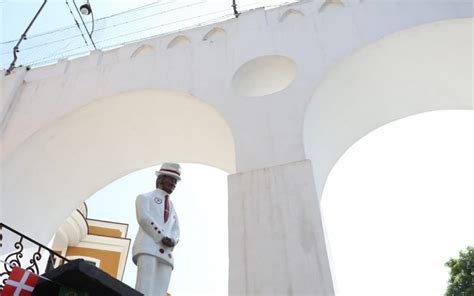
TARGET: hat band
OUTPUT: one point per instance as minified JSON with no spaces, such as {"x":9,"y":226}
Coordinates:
{"x":170,"y":171}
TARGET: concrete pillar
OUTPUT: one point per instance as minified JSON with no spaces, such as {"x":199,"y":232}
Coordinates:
{"x":276,"y":238}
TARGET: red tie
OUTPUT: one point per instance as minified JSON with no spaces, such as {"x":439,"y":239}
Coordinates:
{"x":167,"y":208}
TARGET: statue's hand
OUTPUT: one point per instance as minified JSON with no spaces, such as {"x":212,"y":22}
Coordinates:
{"x":169,"y":242}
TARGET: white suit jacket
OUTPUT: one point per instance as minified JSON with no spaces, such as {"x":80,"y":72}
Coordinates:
{"x":150,"y":209}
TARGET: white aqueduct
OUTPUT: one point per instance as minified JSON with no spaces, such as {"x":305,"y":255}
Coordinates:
{"x":274,"y":98}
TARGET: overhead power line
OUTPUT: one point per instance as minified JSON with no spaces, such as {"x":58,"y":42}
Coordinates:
{"x":163,"y":25}
{"x":154,"y":14}
{"x":122,"y":35}
{"x":77,"y":23}
{"x":63,"y":42}
{"x":109,"y":27}
{"x":149,"y":5}
{"x":85,"y":27}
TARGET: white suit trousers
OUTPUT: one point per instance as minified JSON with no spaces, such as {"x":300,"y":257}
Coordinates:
{"x":153,"y":275}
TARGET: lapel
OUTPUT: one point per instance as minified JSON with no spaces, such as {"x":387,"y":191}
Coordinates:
{"x":158,"y":201}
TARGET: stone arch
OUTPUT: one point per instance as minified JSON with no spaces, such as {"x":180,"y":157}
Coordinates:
{"x":214,"y":35}
{"x":179,"y":42}
{"x":291,"y":15}
{"x":392,"y":175}
{"x":143,"y":50}
{"x":400,"y":75}
{"x":65,"y":162}
{"x":331,"y":3}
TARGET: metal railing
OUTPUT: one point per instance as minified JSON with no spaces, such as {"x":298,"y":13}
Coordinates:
{"x":26,"y":253}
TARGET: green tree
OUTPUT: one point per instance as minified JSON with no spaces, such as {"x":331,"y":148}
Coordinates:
{"x":461,"y":281}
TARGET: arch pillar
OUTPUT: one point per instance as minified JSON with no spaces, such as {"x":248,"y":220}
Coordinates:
{"x":276,"y":237}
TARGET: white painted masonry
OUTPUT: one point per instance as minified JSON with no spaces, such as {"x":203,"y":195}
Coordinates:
{"x":278,"y":245}
{"x":424,"y":69}
{"x":69,"y":129}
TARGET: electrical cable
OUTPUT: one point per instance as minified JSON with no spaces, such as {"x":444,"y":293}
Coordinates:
{"x":77,"y":24}
{"x":158,"y":13}
{"x":227,"y":16}
{"x":93,"y":22}
{"x":103,"y":18}
{"x":26,"y":58}
{"x":116,"y":25}
{"x":138,"y":8}
{"x":44,"y":44}
{"x":162,"y":25}
{"x":87,"y":30}
{"x":56,"y":54}
{"x":59,"y":53}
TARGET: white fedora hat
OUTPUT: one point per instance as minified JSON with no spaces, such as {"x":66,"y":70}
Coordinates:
{"x":170,"y":169}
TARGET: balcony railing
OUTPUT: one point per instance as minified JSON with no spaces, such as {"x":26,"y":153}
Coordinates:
{"x":19,"y":250}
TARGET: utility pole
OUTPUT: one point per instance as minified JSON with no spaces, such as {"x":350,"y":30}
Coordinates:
{"x":23,"y":37}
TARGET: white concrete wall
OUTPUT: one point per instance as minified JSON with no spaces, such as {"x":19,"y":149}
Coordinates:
{"x":77,"y":125}
{"x":418,"y":70}
{"x":277,"y":244}
{"x":314,"y":40}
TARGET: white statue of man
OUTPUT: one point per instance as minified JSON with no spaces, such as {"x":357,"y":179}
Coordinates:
{"x":158,"y":233}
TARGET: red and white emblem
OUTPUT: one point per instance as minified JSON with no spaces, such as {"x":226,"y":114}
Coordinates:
{"x":20,"y":283}
{"x":158,"y":200}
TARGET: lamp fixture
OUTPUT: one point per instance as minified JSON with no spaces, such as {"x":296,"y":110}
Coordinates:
{"x":86,"y":8}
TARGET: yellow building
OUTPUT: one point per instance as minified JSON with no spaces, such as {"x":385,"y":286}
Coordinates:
{"x":101,"y":243}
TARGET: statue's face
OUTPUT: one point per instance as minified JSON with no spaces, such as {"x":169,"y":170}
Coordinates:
{"x":166,"y":183}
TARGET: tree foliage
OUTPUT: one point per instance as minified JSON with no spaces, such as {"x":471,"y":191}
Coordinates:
{"x":461,"y":281}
